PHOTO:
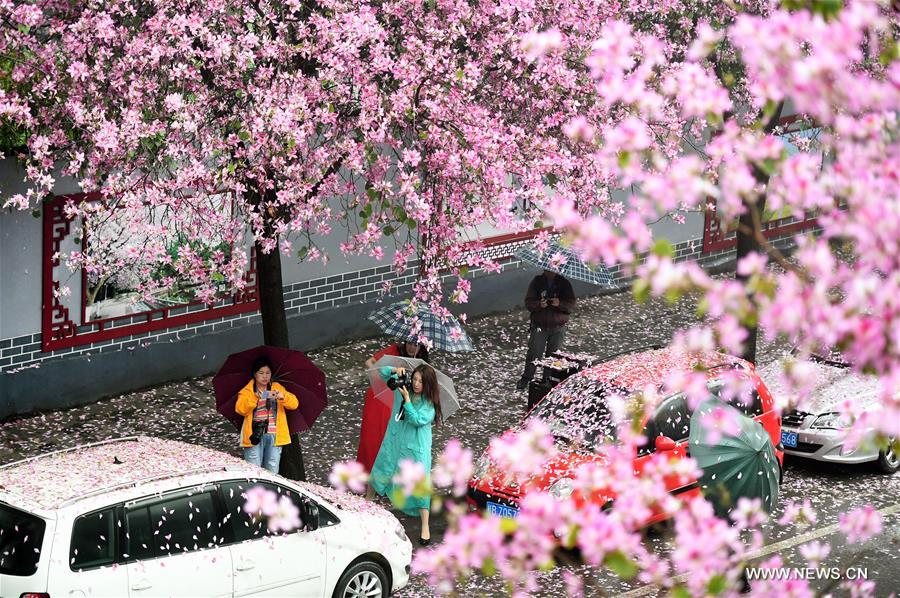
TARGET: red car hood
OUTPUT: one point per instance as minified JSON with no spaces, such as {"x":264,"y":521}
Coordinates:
{"x":564,"y":465}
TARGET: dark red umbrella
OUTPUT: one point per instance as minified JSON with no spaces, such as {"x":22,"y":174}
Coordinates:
{"x":292,"y":369}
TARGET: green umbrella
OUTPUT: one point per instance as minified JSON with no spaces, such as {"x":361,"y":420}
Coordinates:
{"x":733,"y":466}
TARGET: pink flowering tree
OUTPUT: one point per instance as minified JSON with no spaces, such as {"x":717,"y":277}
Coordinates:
{"x":407,"y":122}
{"x":720,"y":94}
{"x":416,"y":121}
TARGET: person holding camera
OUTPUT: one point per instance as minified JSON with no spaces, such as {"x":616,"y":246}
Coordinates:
{"x":262,"y":402}
{"x":375,"y":413}
{"x":408,"y":437}
{"x":550,"y":299}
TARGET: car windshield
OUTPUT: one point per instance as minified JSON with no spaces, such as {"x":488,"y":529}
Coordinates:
{"x":21,"y":536}
{"x":578,"y":414}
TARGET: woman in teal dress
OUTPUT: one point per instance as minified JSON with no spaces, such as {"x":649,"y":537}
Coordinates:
{"x":408,"y":436}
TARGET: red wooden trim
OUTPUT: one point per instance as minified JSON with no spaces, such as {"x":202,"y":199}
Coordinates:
{"x":160,"y":324}
{"x":511,"y":237}
{"x":59,"y":332}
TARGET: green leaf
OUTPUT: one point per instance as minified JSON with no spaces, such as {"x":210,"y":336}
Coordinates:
{"x":388,"y":231}
{"x":371,"y":193}
{"x":827,"y":8}
{"x":889,"y":53}
{"x":621,"y":565}
{"x":624,"y":159}
{"x":489,"y":567}
{"x":463,"y":271}
{"x":641,"y":291}
{"x":702,"y":307}
{"x":508,"y":526}
{"x":717,"y":585}
{"x":302,"y":252}
{"x":552,"y":179}
{"x":663,"y":248}
{"x":769,"y":165}
{"x":672,"y":296}
{"x":680,"y":592}
{"x":244,"y":135}
{"x":36,"y":213}
{"x":459,"y":75}
{"x":411,"y":224}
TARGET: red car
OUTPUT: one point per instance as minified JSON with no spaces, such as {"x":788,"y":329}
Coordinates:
{"x":577,"y":409}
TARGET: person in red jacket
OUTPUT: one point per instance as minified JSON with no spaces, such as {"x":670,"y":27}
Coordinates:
{"x":375,"y":413}
{"x":550,"y":299}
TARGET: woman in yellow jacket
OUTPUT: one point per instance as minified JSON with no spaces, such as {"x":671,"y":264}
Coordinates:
{"x":265,"y":401}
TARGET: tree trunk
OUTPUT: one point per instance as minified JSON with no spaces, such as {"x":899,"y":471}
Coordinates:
{"x":275,"y":334}
{"x":747,"y":241}
{"x":747,"y":244}
{"x":271,"y":298}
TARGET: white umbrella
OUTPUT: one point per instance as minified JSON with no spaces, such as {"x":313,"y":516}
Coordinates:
{"x":448,"y":397}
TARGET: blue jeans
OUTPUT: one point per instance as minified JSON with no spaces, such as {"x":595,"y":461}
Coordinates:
{"x":265,"y":454}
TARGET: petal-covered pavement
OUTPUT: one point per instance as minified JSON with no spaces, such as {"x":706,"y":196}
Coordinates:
{"x":485,"y":380}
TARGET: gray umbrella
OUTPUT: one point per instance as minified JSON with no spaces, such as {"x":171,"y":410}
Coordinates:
{"x":569,"y":264}
{"x":448,"y":397}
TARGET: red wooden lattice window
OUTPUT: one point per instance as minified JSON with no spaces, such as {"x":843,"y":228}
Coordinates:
{"x":58,"y":328}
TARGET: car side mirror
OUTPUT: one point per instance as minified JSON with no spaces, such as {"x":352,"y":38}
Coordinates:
{"x":664,"y":443}
{"x":310,"y":515}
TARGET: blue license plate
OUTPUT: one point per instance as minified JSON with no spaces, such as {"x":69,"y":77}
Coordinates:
{"x":789,"y":439}
{"x":501,"y":510}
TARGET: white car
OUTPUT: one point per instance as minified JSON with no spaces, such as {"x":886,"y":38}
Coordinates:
{"x":140,"y":517}
{"x":817,"y":430}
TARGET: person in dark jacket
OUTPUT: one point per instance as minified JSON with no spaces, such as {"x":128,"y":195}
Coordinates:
{"x":550,"y":299}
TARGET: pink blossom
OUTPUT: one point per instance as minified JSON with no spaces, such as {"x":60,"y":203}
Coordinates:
{"x":578,"y":129}
{"x":748,"y":513}
{"x":523,"y":452}
{"x":410,"y":475}
{"x":802,"y":514}
{"x":815,"y":552}
{"x":260,"y":500}
{"x":860,"y":524}
{"x":349,"y":475}
{"x":285,"y":517}
{"x":538,"y":43}
{"x":453,"y":467}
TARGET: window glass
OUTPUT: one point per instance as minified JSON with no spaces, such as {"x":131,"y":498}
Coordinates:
{"x":247,"y":527}
{"x":747,"y":402}
{"x":93,"y":540}
{"x":180,"y":523}
{"x":671,"y":419}
{"x":577,"y":412}
{"x":21,"y":537}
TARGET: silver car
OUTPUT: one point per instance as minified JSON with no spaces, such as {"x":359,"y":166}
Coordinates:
{"x":818,"y":430}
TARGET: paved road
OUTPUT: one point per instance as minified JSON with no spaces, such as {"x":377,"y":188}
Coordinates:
{"x":486,"y":382}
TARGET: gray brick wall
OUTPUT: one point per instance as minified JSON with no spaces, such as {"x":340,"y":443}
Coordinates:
{"x":362,"y":286}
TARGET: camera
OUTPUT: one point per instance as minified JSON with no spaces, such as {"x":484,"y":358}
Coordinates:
{"x":395,"y":382}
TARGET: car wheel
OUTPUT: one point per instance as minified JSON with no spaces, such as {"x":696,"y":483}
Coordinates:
{"x":363,"y":580}
{"x":889,"y":459}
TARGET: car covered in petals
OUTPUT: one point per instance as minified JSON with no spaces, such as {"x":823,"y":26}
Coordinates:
{"x":580,"y":414}
{"x":140,"y":516}
{"x":820,"y":428}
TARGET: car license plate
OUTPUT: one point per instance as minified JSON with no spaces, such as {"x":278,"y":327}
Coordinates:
{"x":501,"y":510}
{"x":789,"y":439}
